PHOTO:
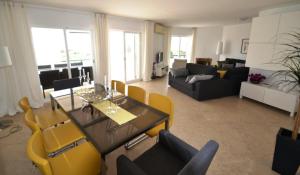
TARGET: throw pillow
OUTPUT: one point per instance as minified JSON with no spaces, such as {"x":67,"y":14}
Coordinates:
{"x":222,"y":73}
{"x":188,"y":78}
{"x":227,"y":66}
{"x":239,"y":64}
{"x":200,"y":77}
{"x":181,"y":72}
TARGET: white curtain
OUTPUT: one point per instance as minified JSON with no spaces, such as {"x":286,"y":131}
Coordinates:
{"x":148,"y":50}
{"x":167,"y":46}
{"x":194,"y":43}
{"x":21,"y":79}
{"x":101,"y":44}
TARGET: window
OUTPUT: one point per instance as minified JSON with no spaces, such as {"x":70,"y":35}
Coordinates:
{"x":62,"y":48}
{"x":181,"y":47}
{"x":49,"y":46}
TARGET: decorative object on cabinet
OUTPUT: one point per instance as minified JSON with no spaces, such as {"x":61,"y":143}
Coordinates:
{"x":256,"y":78}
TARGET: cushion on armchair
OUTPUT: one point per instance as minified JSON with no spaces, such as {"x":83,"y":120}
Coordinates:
{"x":196,"y":78}
{"x":181,"y":72}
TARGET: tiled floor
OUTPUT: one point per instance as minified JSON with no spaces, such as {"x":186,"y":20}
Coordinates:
{"x":245,"y":130}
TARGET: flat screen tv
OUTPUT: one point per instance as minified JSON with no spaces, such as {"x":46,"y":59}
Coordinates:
{"x":159,"y":57}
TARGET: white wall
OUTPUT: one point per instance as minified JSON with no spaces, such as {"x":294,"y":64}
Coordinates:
{"x":41,"y":16}
{"x":232,"y":40}
{"x":293,"y":6}
{"x":180,"y":31}
{"x":207,"y":41}
{"x":126,"y":24}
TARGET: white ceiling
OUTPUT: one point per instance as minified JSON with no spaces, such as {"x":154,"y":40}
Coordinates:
{"x":183,"y":13}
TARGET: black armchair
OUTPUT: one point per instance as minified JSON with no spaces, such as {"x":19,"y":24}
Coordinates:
{"x":66,"y":84}
{"x":169,"y":156}
{"x":47,"y":78}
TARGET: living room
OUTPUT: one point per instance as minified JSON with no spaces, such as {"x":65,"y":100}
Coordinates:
{"x":149,"y":87}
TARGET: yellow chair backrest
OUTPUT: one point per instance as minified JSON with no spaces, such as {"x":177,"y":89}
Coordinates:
{"x":162,"y":103}
{"x":37,"y":153}
{"x":24,"y":104}
{"x":30,"y":121}
{"x":137,"y":93}
{"x":119,"y":85}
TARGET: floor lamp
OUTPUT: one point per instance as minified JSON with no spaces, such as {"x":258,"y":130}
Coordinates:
{"x":219,"y":50}
{"x":5,"y":62}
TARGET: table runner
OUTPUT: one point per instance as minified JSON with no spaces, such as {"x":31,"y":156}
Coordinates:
{"x":120,"y":116}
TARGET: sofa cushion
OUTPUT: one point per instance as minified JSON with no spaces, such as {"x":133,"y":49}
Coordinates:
{"x":188,"y":78}
{"x":181,"y":72}
{"x":200,"y":77}
{"x":200,"y":69}
{"x":239,"y":65}
{"x":181,"y":81}
{"x":227,"y":66}
{"x":240,"y":74}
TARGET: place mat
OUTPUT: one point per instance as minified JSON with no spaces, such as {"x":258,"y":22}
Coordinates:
{"x":121,"y":116}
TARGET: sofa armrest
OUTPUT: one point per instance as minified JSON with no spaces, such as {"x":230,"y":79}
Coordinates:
{"x":127,"y":167}
{"x":199,"y":164}
{"x":183,"y":150}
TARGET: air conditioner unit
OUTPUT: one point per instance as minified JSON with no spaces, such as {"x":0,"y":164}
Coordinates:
{"x":158,"y":28}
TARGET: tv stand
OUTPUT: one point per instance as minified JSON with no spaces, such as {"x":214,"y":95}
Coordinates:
{"x":159,"y":70}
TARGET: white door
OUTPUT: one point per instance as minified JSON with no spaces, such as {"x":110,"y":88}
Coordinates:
{"x":124,"y":54}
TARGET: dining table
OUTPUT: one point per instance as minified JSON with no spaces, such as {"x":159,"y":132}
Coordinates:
{"x":108,"y":120}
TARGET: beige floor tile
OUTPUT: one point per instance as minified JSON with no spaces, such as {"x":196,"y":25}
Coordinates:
{"x":245,"y":130}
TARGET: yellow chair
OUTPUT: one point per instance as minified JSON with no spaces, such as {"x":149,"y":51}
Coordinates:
{"x":119,"y":85}
{"x":164,"y":104}
{"x":55,"y":138}
{"x":47,"y":117}
{"x":137,"y":93}
{"x":30,"y":122}
{"x":24,"y":104}
{"x":80,"y":160}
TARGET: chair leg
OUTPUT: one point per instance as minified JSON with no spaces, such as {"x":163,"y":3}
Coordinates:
{"x":44,"y":93}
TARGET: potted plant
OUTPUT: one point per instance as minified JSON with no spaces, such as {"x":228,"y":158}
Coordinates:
{"x":287,"y":149}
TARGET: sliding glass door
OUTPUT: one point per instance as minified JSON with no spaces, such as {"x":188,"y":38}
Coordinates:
{"x":62,"y":49}
{"x":132,"y":56}
{"x":124,"y":55}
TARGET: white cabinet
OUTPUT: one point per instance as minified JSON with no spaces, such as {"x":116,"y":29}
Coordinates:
{"x":259,"y":55}
{"x":264,"y":29}
{"x":273,"y":97}
{"x":252,"y":91}
{"x":266,"y":39}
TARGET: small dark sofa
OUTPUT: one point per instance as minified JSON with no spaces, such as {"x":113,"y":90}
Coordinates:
{"x":170,"y":156}
{"x":216,"y":87}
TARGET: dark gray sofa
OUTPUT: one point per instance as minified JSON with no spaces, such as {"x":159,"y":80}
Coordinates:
{"x":213,"y":88}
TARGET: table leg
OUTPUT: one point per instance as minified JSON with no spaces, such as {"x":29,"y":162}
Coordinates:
{"x":52,"y":103}
{"x":167,"y":125}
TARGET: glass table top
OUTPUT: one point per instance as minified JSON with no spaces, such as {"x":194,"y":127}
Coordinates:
{"x":104,"y":133}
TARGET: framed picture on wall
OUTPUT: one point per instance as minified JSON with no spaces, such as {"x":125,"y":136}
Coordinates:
{"x":244,"y":46}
